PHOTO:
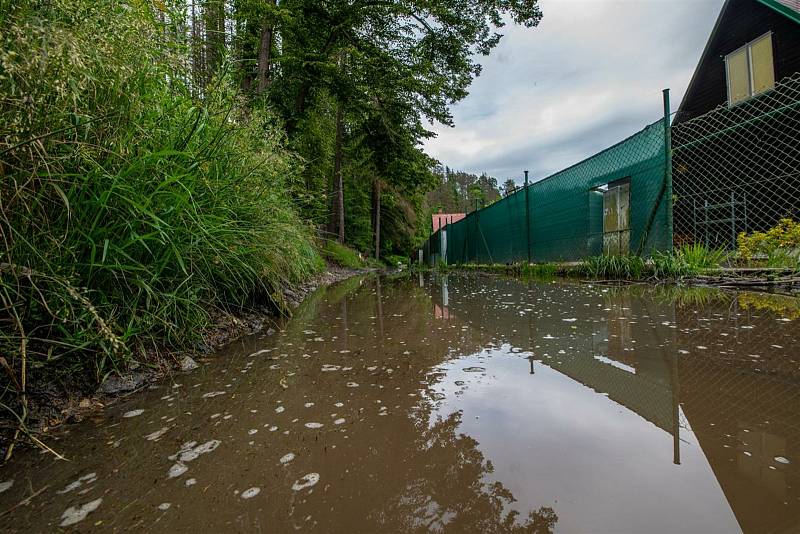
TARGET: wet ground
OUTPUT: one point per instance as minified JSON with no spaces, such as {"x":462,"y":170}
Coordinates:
{"x":453,"y":404}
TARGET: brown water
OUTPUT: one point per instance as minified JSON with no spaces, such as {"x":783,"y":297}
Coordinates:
{"x":458,"y":404}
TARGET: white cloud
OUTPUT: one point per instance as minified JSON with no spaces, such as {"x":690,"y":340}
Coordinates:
{"x":590,"y":75}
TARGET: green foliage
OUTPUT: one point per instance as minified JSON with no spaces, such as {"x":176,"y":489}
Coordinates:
{"x":698,"y":256}
{"x":130,"y":210}
{"x":393,"y":260}
{"x":666,"y":265}
{"x":779,"y":246}
{"x":614,"y":267}
{"x":342,"y":255}
{"x":661,"y":266}
{"x":539,"y":270}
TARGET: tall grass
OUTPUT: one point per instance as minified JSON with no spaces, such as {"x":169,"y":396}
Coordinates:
{"x":129,"y":210}
{"x":698,"y":256}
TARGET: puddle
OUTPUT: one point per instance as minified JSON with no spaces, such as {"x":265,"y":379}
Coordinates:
{"x":464,"y":404}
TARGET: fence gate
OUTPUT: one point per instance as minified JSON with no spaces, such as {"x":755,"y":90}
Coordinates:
{"x":616,"y":218}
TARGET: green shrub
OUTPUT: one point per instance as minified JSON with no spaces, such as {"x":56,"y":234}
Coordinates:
{"x":782,"y":239}
{"x":130,"y":210}
{"x":393,"y":260}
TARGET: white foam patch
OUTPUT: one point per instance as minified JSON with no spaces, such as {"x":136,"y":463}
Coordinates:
{"x":88,"y":479}
{"x":133,"y":413}
{"x":176,"y":470}
{"x":339,"y":421}
{"x":306,"y":481}
{"x":213,"y":394}
{"x":76,"y":514}
{"x":188,"y":453}
{"x":157,"y":434}
{"x":191,"y":482}
{"x":352,"y":384}
{"x":164,"y":506}
{"x":279,"y":409}
{"x":314,"y":425}
{"x":250,"y":493}
{"x":286,"y":458}
{"x":328,"y":367}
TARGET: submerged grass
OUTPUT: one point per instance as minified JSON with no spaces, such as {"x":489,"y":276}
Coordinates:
{"x":129,"y":209}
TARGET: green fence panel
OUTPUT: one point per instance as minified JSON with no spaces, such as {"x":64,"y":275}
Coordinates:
{"x":566,"y":210}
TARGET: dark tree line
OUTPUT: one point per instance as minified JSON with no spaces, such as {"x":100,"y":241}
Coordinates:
{"x":355,"y":84}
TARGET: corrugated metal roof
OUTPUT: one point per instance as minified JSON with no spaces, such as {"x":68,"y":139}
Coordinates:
{"x":790,"y":8}
{"x":794,"y":4}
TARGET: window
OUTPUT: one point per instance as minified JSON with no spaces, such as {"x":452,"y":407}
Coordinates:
{"x":750,"y":70}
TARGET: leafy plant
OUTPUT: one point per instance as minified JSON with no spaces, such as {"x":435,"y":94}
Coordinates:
{"x":781,"y":240}
{"x":697,"y":256}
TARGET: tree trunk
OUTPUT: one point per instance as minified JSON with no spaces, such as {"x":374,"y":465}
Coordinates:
{"x":376,"y":216}
{"x":265,"y":53}
{"x":338,"y":172}
{"x":214,"y":14}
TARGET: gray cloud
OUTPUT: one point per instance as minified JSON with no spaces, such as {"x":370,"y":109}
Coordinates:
{"x":590,"y":75}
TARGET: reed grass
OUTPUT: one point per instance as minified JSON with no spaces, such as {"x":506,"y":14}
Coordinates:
{"x":130,"y":208}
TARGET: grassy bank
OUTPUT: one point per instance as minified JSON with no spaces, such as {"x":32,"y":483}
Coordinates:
{"x":131,"y":209}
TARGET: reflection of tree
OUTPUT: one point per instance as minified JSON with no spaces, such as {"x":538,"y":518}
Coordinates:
{"x":449,"y":492}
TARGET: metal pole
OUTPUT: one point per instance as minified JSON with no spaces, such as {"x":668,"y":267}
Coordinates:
{"x":527,"y":217}
{"x":668,"y":165}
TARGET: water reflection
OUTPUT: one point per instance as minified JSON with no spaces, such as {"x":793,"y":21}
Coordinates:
{"x":454,"y":404}
{"x":717,"y":377}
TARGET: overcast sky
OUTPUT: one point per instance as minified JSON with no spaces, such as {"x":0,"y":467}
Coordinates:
{"x":588,"y":76}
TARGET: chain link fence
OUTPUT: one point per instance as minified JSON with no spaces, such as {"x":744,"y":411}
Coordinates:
{"x":737,"y":168}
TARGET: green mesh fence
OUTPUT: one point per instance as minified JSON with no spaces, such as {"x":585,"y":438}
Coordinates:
{"x":737,"y":168}
{"x":614,"y":202}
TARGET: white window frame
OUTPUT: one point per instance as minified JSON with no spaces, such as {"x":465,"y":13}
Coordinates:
{"x":748,"y":47}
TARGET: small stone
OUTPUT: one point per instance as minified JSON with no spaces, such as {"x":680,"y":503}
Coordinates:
{"x":188,"y":364}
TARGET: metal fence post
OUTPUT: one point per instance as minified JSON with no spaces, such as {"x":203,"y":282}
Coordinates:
{"x":527,"y":217}
{"x":668,"y":166}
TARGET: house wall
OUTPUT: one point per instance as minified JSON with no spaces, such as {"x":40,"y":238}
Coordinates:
{"x":742,"y":22}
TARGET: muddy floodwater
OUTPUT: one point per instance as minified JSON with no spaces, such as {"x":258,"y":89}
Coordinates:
{"x":452,"y":404}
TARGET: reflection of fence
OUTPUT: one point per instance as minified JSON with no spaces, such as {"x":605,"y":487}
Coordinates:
{"x":737,"y":168}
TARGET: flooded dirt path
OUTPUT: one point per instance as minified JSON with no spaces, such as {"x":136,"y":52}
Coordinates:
{"x":453,"y":404}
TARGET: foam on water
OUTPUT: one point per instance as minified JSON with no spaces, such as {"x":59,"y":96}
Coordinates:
{"x":76,"y":514}
{"x":306,"y":481}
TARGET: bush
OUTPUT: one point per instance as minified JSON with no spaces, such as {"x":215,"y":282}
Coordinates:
{"x":393,"y":260}
{"x":778,"y":245}
{"x":130,"y":210}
